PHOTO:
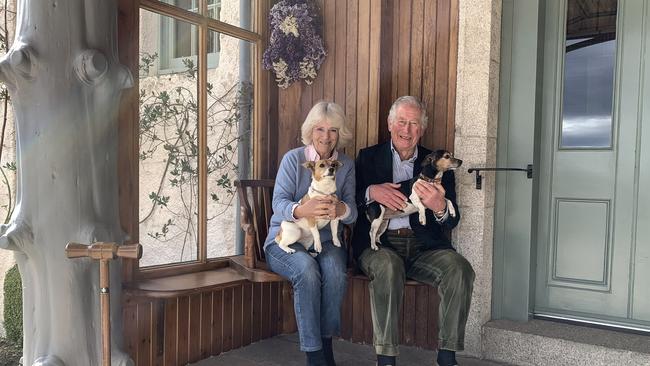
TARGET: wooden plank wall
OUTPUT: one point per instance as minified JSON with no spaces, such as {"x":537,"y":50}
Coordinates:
{"x":187,"y":329}
{"x":379,"y":50}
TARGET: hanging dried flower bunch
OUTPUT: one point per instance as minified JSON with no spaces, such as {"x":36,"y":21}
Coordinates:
{"x":296,"y":49}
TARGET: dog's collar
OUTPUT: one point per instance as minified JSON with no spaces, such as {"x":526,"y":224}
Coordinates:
{"x":320,"y":192}
{"x":427,"y":179}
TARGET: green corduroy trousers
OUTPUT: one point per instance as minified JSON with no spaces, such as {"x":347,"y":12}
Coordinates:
{"x":406,"y":257}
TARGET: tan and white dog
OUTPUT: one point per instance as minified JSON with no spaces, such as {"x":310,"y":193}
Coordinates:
{"x":305,"y":230}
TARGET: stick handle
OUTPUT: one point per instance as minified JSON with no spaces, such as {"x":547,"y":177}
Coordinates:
{"x":105,"y":308}
{"x":133,"y":251}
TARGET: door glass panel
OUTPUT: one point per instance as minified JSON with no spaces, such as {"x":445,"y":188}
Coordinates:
{"x":590,"y":55}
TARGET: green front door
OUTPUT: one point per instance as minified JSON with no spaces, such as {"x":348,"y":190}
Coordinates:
{"x":592,"y":209}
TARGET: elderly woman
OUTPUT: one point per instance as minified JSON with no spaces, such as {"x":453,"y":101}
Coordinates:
{"x":319,"y":281}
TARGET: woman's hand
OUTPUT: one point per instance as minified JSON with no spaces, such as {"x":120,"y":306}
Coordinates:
{"x":321,"y":207}
{"x":338,"y":208}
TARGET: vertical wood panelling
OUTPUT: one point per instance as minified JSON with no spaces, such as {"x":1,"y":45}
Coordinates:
{"x":274,"y":312}
{"x":266,"y":303}
{"x":206,"y":325}
{"x":403,"y":47}
{"x":451,"y":74}
{"x":417,"y":39}
{"x":363,"y":60}
{"x":227,"y":319}
{"x":421,"y":302}
{"x":429,"y":61}
{"x":329,"y":36}
{"x":144,"y":334}
{"x":409,"y":316}
{"x":374,"y":72}
{"x":340,"y":52}
{"x":237,"y":321}
{"x":351,"y":68}
{"x":379,"y":50}
{"x":171,"y":332}
{"x":194,"y":329}
{"x":158,"y":335}
{"x":256,"y":331}
{"x":182,"y":350}
{"x":247,"y":313}
{"x":217,"y":318}
{"x":357,"y":310}
{"x":130,"y":316}
{"x":437,"y":136}
{"x":190,"y":328}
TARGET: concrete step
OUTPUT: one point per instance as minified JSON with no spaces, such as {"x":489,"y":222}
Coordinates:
{"x":547,"y":343}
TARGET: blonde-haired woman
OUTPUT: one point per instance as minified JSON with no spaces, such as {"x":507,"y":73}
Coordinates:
{"x":319,"y":282}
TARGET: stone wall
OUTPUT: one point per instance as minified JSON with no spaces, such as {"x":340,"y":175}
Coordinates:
{"x":476,"y":131}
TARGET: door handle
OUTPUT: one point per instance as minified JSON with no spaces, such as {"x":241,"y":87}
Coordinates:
{"x":479,"y":178}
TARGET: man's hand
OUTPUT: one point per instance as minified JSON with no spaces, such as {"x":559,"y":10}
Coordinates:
{"x":432,"y":195}
{"x":387,"y":194}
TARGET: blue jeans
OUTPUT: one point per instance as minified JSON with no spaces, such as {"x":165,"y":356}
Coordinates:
{"x":319,"y":285}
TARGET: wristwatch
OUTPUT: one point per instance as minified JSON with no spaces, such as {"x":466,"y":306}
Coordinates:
{"x":440,"y":213}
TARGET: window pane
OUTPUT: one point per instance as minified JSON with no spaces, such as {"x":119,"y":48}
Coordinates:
{"x":168,"y":149}
{"x":191,"y":5}
{"x":234,"y":12}
{"x":589,"y":74}
{"x":230,"y":108}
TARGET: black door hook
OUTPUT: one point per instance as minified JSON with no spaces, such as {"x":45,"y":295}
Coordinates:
{"x":479,"y":178}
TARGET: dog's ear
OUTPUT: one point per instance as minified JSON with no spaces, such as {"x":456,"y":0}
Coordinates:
{"x":336,"y":164}
{"x":427,"y":160}
{"x":309,"y":165}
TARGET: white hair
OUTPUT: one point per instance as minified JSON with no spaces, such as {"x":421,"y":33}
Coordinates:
{"x":331,"y":112}
{"x":410,"y":101}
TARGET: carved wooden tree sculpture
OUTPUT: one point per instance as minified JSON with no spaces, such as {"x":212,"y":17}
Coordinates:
{"x":65,"y":81}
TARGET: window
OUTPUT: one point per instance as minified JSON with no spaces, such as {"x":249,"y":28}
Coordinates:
{"x":194,"y":130}
{"x":178,"y":39}
{"x":589,"y":64}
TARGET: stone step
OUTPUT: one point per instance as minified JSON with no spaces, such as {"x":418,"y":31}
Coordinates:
{"x":539,"y":342}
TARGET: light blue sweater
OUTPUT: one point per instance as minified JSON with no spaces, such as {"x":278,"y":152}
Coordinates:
{"x":293,"y":181}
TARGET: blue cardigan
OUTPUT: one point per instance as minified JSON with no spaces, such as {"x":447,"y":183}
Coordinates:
{"x":293,"y":181}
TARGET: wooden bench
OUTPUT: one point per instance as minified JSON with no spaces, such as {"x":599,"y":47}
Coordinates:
{"x":420,"y":307}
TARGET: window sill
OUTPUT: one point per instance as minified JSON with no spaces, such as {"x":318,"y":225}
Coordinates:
{"x":195,"y":282}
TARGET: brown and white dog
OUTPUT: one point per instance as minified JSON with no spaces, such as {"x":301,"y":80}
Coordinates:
{"x":305,"y":230}
{"x":434,"y":166}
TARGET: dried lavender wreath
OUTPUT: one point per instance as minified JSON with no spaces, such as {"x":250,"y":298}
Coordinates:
{"x":296,"y":49}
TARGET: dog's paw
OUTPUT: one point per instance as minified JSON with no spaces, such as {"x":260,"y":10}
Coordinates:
{"x":288,"y":250}
{"x":318,"y":248}
{"x":423,"y":220}
{"x":337,"y":242}
{"x":374,"y":246}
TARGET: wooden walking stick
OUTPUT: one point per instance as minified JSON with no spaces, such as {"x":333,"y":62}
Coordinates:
{"x":104,"y":252}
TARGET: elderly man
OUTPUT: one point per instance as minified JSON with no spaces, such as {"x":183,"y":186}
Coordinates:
{"x":409,"y":249}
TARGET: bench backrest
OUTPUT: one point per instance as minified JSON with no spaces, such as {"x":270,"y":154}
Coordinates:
{"x":255,"y":199}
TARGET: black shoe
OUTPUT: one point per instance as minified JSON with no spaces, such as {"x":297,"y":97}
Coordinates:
{"x":328,"y":352}
{"x":383,"y":360}
{"x":316,"y":358}
{"x":446,"y":358}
